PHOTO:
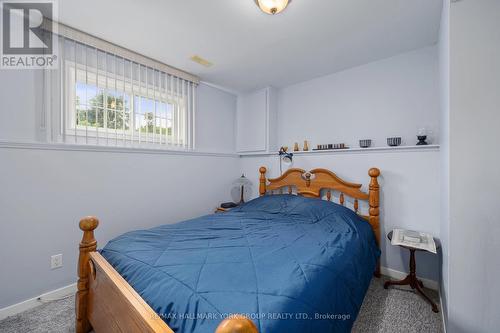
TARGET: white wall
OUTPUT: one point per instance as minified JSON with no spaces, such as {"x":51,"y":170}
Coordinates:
{"x":474,"y":243}
{"x":395,"y":96}
{"x":17,"y":106}
{"x":444,"y":73}
{"x":391,"y":97}
{"x":46,"y":191}
{"x":409,"y":192}
{"x":215,"y":117}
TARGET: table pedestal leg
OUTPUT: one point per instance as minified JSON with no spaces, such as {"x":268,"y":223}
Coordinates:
{"x":413,"y":282}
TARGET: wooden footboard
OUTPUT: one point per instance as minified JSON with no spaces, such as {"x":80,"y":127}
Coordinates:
{"x":105,"y":302}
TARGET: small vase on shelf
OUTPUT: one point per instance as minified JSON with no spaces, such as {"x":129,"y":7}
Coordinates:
{"x":422,"y":136}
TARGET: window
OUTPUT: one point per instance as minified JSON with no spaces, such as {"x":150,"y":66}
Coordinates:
{"x":111,"y":96}
{"x":102,"y":106}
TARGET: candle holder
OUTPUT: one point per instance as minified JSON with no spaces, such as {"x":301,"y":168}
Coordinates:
{"x":421,"y":140}
{"x":422,"y":136}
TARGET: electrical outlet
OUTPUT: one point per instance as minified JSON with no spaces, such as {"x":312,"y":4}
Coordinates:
{"x":56,"y":261}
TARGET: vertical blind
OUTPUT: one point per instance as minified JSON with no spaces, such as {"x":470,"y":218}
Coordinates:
{"x":106,"y":95}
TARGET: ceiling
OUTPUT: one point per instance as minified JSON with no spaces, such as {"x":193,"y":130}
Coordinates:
{"x":250,"y":49}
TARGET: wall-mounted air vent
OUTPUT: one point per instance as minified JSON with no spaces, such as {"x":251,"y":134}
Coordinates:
{"x":201,"y":61}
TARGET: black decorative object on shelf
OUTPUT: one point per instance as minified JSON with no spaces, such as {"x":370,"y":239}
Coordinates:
{"x":365,"y":143}
{"x":331,"y":146}
{"x":394,"y":142}
{"x":421,"y":140}
{"x":422,"y":136}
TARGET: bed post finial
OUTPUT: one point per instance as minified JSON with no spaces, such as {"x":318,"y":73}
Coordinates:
{"x":374,"y":201}
{"x":237,"y":324}
{"x":262,"y":186}
{"x":87,"y":245}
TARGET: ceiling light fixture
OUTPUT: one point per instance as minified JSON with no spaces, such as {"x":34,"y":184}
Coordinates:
{"x":272,"y":7}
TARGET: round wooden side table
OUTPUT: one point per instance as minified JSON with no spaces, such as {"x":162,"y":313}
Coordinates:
{"x":412,"y":279}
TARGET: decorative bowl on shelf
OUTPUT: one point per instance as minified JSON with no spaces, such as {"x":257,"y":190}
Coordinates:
{"x":394,"y":142}
{"x":365,"y":143}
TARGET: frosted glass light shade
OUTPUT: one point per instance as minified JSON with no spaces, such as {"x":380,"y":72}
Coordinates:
{"x":242,"y":189}
{"x":242,"y":181}
{"x":272,"y":7}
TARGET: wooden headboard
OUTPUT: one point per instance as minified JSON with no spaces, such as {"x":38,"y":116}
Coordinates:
{"x":314,"y":183}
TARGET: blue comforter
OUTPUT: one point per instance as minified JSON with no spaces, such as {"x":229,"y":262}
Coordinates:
{"x":290,"y":263}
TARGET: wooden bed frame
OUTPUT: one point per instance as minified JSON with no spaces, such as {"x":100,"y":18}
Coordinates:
{"x":105,"y":302}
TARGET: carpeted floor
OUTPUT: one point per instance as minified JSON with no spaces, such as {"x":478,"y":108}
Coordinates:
{"x":389,"y":311}
{"x":398,"y":309}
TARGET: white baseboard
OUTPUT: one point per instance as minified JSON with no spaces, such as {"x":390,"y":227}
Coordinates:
{"x":397,"y":275}
{"x":35,"y":301}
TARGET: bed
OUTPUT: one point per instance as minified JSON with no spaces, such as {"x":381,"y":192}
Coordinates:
{"x":284,"y":262}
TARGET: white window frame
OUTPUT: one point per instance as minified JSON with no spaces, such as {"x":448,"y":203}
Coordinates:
{"x":134,"y":89}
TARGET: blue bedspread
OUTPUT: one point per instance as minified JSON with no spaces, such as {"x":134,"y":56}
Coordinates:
{"x":292,"y":264}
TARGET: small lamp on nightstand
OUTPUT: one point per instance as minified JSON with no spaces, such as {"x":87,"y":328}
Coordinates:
{"x":242,"y":188}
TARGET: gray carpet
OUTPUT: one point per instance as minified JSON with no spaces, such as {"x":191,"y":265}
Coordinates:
{"x":397,"y":309}
{"x":390,"y":311}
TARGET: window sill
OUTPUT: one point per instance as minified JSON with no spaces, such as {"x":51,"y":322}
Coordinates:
{"x":107,"y":149}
